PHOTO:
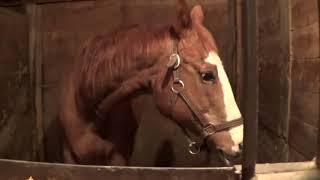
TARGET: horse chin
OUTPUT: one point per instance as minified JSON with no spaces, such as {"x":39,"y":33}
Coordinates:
{"x":227,"y":156}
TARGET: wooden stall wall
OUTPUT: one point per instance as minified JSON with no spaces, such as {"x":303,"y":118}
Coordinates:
{"x":61,"y":28}
{"x":274,"y":64}
{"x":17,"y":125}
{"x":305,"y":73}
{"x":288,"y":53}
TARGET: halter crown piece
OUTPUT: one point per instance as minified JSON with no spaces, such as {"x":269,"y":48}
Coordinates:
{"x":207,"y":128}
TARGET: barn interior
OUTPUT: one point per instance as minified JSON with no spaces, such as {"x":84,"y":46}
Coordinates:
{"x":40,"y":38}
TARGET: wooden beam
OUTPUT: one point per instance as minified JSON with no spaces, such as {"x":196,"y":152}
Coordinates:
{"x":35,"y":65}
{"x":318,"y":149}
{"x":286,"y":171}
{"x":30,"y":9}
{"x":239,"y":54}
{"x":11,"y":169}
{"x":282,"y":167}
{"x":231,"y":4}
{"x":286,"y":44}
{"x":251,"y":91}
{"x":9,"y":3}
{"x":295,"y":175}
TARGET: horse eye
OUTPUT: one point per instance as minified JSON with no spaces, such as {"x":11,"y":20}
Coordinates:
{"x":208,"y":77}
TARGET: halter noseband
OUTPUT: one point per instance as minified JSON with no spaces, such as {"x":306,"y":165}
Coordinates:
{"x":207,"y":128}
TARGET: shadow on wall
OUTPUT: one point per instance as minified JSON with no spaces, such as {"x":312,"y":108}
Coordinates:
{"x":53,"y":142}
{"x":165,"y":155}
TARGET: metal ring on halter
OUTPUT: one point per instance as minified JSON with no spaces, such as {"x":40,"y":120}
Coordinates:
{"x":180,"y":82}
{"x":177,"y":62}
{"x":194,"y":148}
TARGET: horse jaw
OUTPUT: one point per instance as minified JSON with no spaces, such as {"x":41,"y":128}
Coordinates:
{"x":231,"y":108}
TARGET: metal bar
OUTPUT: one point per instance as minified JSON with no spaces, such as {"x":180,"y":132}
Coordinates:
{"x":250,"y":90}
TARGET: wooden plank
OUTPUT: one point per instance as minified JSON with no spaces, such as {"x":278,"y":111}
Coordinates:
{"x":304,"y":13}
{"x":297,"y":175}
{"x":285,"y":93}
{"x":231,"y":58}
{"x":274,"y":44}
{"x":35,"y":66}
{"x":306,"y":75}
{"x":8,"y":3}
{"x":16,"y":121}
{"x":305,"y":107}
{"x":305,"y":42}
{"x":268,"y":9}
{"x":318,"y":148}
{"x":239,"y":56}
{"x":271,"y":93}
{"x":295,"y":156}
{"x":286,"y":171}
{"x":306,"y":90}
{"x":30,"y":11}
{"x":282,"y":167}
{"x":272,"y":148}
{"x":24,"y":169}
{"x":38,"y":66}
{"x":4,"y":3}
{"x":270,"y":49}
{"x":303,"y":138}
{"x":269,"y":27}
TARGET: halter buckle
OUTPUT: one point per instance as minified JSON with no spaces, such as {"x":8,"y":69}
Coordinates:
{"x":210,"y":129}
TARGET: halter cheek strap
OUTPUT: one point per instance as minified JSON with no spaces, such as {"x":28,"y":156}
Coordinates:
{"x":207,"y":128}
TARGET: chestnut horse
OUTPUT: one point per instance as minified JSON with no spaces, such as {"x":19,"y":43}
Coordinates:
{"x":178,"y":64}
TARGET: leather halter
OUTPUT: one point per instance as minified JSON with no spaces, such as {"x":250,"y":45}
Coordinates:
{"x":207,"y":128}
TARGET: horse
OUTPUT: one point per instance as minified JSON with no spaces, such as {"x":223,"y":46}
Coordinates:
{"x":177,"y":63}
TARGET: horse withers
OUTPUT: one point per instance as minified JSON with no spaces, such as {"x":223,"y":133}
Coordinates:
{"x":177,"y":63}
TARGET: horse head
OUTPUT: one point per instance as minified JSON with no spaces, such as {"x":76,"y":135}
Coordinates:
{"x":192,"y":87}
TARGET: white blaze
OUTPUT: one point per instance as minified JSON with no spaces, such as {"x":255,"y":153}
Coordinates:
{"x":231,"y":108}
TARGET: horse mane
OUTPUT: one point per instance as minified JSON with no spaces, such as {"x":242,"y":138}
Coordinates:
{"x":105,"y":60}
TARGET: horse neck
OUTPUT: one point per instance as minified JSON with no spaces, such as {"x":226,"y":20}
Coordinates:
{"x":137,"y":79}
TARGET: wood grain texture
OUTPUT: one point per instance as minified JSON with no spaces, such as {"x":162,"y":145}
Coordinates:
{"x":304,"y":13}
{"x":271,"y":148}
{"x":305,"y":42}
{"x":305,"y":91}
{"x":274,"y":44}
{"x":305,"y":79}
{"x":17,"y":125}
{"x":303,"y":138}
{"x":24,"y":170}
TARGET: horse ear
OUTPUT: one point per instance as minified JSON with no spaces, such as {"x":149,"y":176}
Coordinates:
{"x":197,"y":15}
{"x":183,"y":17}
